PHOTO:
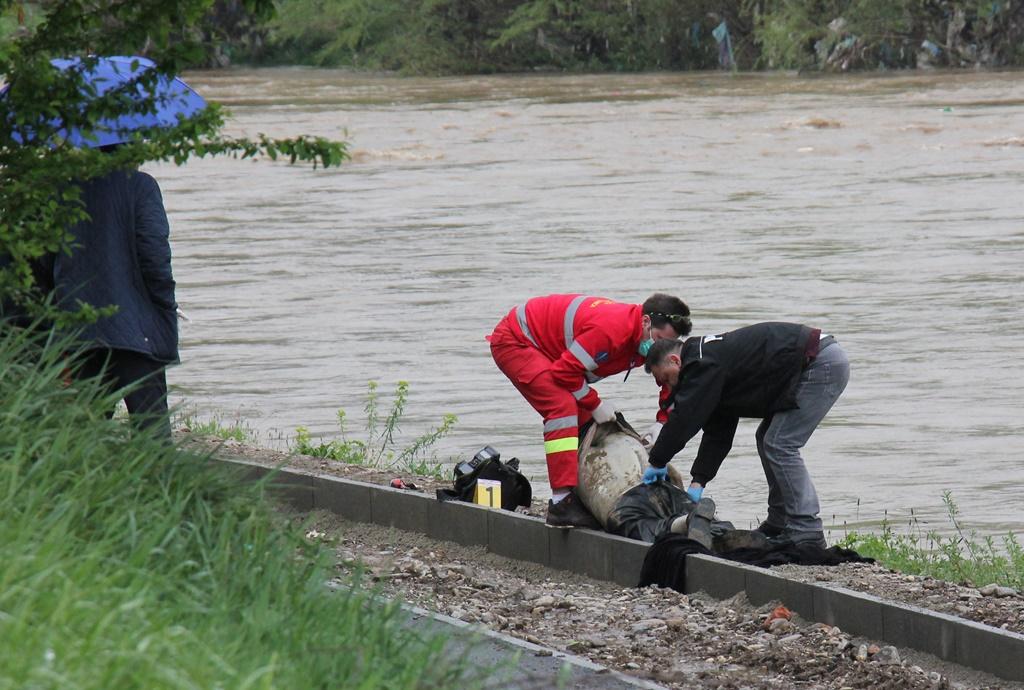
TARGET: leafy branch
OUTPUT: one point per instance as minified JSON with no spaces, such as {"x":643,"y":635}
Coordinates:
{"x":40,"y":171}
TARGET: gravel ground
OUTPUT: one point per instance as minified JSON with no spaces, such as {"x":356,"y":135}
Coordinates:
{"x":676,"y":640}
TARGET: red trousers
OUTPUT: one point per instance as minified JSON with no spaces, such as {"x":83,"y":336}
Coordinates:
{"x":529,"y":370}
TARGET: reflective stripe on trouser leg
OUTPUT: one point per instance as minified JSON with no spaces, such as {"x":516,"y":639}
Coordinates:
{"x":560,"y":423}
{"x":560,"y":450}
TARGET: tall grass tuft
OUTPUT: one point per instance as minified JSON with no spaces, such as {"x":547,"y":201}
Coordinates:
{"x":217,"y":426}
{"x":380,"y":450}
{"x":127,"y":564}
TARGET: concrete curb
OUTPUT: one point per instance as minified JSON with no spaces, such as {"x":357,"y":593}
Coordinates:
{"x":950,"y":638}
{"x":615,"y":559}
{"x":513,"y":535}
{"x":482,"y":646}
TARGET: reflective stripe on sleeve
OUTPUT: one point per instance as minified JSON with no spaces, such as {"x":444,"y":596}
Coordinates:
{"x":592,"y":378}
{"x":521,"y":316}
{"x":583,"y":356}
{"x":582,"y":392}
{"x":562,"y":444}
{"x":560,"y":423}
{"x":570,"y":316}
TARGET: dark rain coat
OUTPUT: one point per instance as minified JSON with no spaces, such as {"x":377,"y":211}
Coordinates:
{"x":122,"y":257}
{"x":749,"y":372}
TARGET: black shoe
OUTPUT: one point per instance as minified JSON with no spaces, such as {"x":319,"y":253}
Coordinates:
{"x":570,"y":512}
{"x":769,"y":530}
{"x":735,"y":539}
{"x":804,"y":538}
{"x":698,"y":523}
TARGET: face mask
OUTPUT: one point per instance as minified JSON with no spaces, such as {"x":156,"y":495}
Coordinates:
{"x":644,"y":347}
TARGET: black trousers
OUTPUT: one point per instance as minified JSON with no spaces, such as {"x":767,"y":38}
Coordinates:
{"x":147,"y":401}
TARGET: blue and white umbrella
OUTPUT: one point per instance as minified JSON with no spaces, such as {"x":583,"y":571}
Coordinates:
{"x":173,"y":99}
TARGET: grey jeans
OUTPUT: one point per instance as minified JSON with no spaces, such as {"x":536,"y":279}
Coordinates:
{"x":792,"y":500}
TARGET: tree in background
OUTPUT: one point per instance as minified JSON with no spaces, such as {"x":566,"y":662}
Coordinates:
{"x":229,"y":29}
{"x":422,"y":36}
{"x":610,"y":34}
{"x":38,"y":170}
{"x":453,"y":36}
{"x":841,"y":35}
{"x":472,"y":36}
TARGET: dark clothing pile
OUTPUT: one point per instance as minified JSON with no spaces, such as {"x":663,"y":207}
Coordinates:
{"x":665,"y":564}
{"x":749,"y":372}
{"x":648,"y":510}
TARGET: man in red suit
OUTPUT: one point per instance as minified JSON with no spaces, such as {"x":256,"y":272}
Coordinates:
{"x":552,"y":348}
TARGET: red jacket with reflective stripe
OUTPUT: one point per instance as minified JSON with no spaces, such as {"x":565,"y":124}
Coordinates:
{"x":587,"y":338}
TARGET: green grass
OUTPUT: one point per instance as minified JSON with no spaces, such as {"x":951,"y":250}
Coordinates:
{"x":379,"y":449}
{"x":216,"y":425}
{"x":127,"y":564}
{"x":10,"y":25}
{"x":957,"y":557}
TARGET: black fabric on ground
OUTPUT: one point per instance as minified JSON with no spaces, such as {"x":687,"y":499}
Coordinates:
{"x":515,"y":487}
{"x":648,"y":510}
{"x":665,"y":564}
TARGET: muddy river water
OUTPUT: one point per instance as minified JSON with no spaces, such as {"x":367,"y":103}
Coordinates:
{"x":884,"y":209}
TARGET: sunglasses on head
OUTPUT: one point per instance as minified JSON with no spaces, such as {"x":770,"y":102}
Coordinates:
{"x":674,"y":318}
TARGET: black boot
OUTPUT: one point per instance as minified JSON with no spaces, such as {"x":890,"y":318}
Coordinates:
{"x":735,"y":539}
{"x":769,"y":530}
{"x":570,"y":512}
{"x":698,"y":523}
{"x":790,"y":538}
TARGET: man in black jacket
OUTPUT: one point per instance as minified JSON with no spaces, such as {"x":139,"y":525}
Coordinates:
{"x":121,"y":256}
{"x":786,"y":374}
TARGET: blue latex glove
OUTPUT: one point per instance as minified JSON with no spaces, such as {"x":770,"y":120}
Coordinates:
{"x":655,"y":474}
{"x":695,"y":492}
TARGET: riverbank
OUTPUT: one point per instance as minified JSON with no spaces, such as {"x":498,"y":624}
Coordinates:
{"x":673,"y":639}
{"x":451,"y":37}
{"x":407,"y":566}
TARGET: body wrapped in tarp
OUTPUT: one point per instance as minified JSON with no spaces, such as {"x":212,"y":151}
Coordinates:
{"x":611,"y":462}
{"x":646,"y":511}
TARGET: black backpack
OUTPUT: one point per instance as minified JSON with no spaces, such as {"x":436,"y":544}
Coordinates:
{"x":487,"y":464}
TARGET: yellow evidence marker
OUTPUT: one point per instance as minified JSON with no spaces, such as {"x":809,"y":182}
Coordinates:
{"x":488,"y":493}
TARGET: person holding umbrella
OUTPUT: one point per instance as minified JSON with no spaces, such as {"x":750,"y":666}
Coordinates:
{"x":120,"y":255}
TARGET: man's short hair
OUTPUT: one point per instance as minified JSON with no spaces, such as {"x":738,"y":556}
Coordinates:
{"x":660,"y":351}
{"x":666,"y":309}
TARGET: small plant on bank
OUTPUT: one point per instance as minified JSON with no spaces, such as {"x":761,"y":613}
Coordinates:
{"x":234,"y":430}
{"x":380,"y":449}
{"x":959,"y":557}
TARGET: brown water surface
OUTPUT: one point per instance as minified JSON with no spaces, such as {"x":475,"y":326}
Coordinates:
{"x":884,"y":209}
